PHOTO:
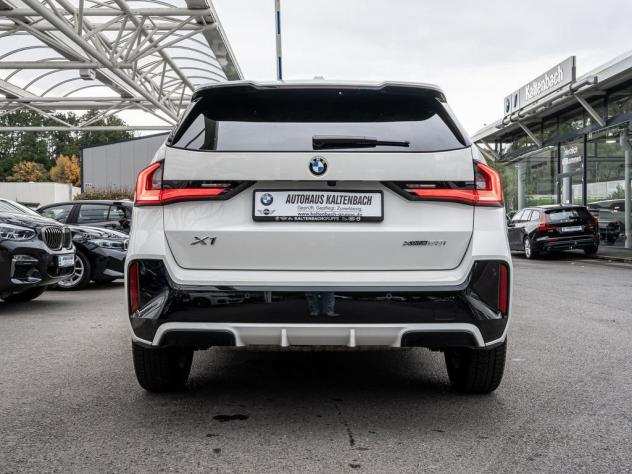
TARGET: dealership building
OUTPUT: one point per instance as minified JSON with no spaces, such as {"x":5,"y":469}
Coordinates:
{"x":565,"y":138}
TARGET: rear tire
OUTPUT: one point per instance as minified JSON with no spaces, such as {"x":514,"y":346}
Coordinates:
{"x":529,"y":252}
{"x":476,"y":370}
{"x":592,"y":250}
{"x":162,"y":369}
{"x":25,"y":296}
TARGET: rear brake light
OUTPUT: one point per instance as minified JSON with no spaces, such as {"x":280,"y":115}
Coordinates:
{"x":545,"y":225}
{"x":133,"y":287}
{"x":148,"y":185}
{"x":151,"y":190}
{"x":487,"y":189}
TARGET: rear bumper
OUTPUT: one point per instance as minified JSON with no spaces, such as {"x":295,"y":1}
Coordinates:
{"x":464,"y":315}
{"x":567,"y":243}
{"x":204,"y":335}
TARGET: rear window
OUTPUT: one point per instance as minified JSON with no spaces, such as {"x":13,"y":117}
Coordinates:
{"x":289,"y":119}
{"x":567,"y":215}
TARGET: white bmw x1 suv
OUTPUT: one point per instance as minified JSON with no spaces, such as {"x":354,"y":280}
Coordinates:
{"x":319,"y":214}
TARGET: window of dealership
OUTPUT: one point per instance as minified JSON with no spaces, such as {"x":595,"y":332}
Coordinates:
{"x":567,"y":152}
{"x":573,"y":165}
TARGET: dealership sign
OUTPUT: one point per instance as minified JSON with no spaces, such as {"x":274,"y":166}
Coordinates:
{"x":552,"y":80}
{"x":571,"y":155}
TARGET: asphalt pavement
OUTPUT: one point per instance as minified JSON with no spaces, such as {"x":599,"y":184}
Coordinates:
{"x":69,"y":400}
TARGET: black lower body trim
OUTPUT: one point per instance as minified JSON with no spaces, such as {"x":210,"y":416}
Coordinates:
{"x":161,"y":301}
{"x":198,"y":339}
{"x":438,"y":340}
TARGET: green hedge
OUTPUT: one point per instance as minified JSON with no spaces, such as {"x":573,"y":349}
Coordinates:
{"x":106,"y":193}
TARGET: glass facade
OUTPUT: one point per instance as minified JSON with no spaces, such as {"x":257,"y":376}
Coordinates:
{"x":605,"y":169}
{"x":579,"y":161}
{"x":620,"y":102}
{"x":540,"y":170}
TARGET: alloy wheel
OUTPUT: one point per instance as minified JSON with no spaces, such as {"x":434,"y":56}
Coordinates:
{"x":76,"y":277}
{"x":527,"y":247}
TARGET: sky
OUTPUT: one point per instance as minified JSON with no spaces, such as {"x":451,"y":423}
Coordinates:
{"x":477,"y":51}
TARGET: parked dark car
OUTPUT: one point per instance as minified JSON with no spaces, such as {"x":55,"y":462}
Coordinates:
{"x":610,"y":226}
{"x":544,"y":229}
{"x":115,"y":215}
{"x":615,"y":205}
{"x":100,"y":256}
{"x":611,"y":216}
{"x":35,"y":253}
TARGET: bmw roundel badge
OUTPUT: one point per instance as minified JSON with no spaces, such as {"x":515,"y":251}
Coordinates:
{"x":318,"y":165}
{"x":267,"y":199}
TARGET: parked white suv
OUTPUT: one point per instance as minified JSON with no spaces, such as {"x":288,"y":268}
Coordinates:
{"x":327,"y":214}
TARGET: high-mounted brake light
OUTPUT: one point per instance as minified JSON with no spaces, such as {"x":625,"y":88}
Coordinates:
{"x":487,"y":189}
{"x":150,"y":190}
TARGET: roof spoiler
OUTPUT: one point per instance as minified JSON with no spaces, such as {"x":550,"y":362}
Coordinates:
{"x":393,"y":87}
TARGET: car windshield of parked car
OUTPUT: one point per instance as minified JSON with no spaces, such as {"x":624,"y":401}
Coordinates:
{"x":288,"y":120}
{"x":16,"y":208}
{"x":5,"y":207}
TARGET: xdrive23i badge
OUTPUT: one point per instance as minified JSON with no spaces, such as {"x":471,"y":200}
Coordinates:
{"x":318,"y":165}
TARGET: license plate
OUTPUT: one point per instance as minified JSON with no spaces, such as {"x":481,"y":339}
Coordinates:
{"x":575,"y":228}
{"x":67,"y":260}
{"x":317,"y":206}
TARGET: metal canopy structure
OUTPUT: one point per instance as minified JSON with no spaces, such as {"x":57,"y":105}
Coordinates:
{"x":110,"y":56}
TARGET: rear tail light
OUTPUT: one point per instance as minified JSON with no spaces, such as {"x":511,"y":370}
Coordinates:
{"x":545,"y":225}
{"x":152,"y":190}
{"x":486,"y":190}
{"x":489,"y":189}
{"x":133,"y":287}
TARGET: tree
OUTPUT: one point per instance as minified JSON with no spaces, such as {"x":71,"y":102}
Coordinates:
{"x":44,"y":147}
{"x":18,"y":146}
{"x":66,"y":170}
{"x":102,"y":138}
{"x":28,"y":171}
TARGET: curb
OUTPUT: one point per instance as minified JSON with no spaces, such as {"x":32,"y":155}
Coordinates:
{"x":613,"y":258}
